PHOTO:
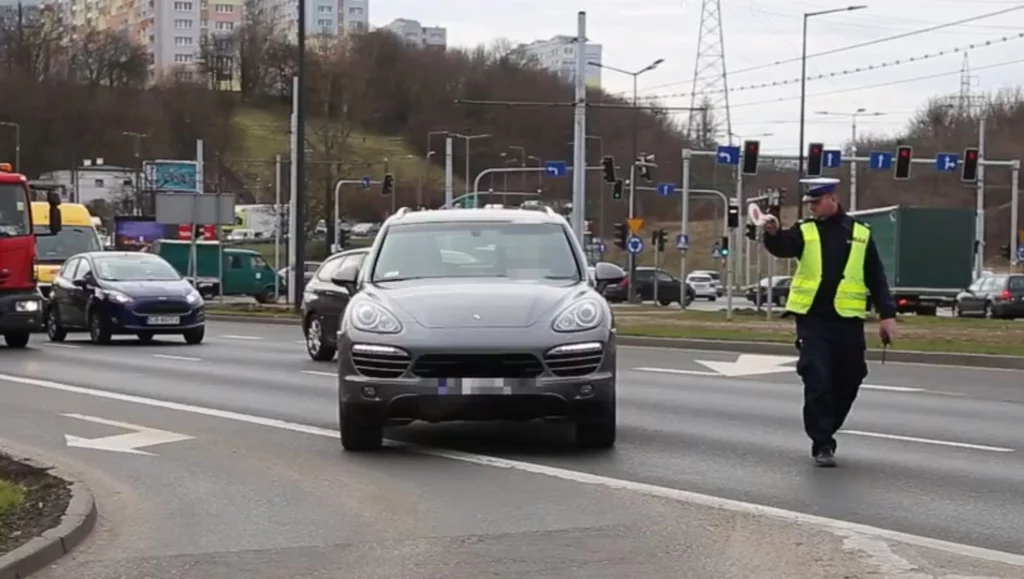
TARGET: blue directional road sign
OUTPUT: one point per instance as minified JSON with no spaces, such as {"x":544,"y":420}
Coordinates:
{"x":881,"y":160}
{"x":946,"y":162}
{"x":366,"y":182}
{"x":1020,"y":253}
{"x":728,"y":155}
{"x":832,"y":159}
{"x":666,"y":189}
{"x":682,"y":242}
{"x":600,"y":246}
{"x":555,"y":168}
{"x":634,"y":244}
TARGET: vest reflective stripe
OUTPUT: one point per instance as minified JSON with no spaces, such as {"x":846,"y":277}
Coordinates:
{"x":852,"y":294}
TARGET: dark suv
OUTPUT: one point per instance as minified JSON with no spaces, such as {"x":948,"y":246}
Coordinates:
{"x":475,"y":314}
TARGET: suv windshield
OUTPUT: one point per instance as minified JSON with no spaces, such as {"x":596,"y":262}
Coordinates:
{"x":142,"y":268}
{"x":71,"y":240}
{"x":14,"y":213}
{"x":522,"y":251}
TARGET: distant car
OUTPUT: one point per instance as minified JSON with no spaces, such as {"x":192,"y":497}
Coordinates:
{"x":703,"y":286}
{"x":669,"y":288}
{"x":115,"y":292}
{"x":993,"y":296}
{"x":758,"y":294}
{"x":309,"y":268}
{"x":518,"y":333}
{"x":324,"y":302}
{"x":716,"y":280}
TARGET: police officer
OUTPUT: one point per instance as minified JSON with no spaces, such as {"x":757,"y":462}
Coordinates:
{"x":838,"y":268}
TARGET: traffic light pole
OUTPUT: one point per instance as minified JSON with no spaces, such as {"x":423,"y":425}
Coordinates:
{"x":631,"y":296}
{"x":337,"y":204}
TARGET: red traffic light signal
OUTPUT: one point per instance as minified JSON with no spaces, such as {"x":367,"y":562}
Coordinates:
{"x":969,"y":173}
{"x":814,"y":153}
{"x":904,"y":155}
{"x":750,"y":151}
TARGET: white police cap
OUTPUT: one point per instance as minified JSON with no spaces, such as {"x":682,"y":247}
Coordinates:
{"x":818,"y":186}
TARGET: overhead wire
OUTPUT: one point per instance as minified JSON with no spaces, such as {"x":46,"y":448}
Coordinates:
{"x":847,"y":72}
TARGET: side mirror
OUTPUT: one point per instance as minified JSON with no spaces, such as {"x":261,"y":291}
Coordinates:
{"x":78,"y":282}
{"x":345,"y":277}
{"x":605,"y":272}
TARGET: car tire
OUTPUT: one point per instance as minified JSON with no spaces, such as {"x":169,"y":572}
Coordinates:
{"x":713,"y":298}
{"x":54,"y":330}
{"x":664,"y":302}
{"x":317,"y":348}
{"x":359,"y":432}
{"x":597,"y":433}
{"x":17,"y":340}
{"x":195,"y":336}
{"x":266,"y":296}
{"x":145,"y":337}
{"x":99,"y":332}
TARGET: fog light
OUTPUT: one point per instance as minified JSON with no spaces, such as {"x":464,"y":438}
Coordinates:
{"x":369,"y":392}
{"x":27,"y":306}
{"x":586,"y":390}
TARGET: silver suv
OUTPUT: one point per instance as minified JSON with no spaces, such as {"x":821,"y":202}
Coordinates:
{"x":475,"y":314}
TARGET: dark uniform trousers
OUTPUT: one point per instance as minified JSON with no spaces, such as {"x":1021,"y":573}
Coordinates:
{"x":832,"y":367}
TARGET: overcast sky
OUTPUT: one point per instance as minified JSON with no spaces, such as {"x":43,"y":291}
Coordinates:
{"x":759,"y":32}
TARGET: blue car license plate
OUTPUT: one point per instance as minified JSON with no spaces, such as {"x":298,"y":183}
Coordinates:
{"x":164,"y":320}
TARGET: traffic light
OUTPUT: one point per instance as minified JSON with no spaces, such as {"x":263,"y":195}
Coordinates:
{"x":750,"y":150}
{"x":608,"y":164}
{"x":814,"y":153}
{"x":969,"y":174}
{"x":197,"y":231}
{"x":388,"y":186}
{"x":642,"y":170}
{"x":658,"y":239}
{"x":617,"y":189}
{"x":1005,"y":251}
{"x":903,"y":156}
{"x":342,"y":238}
{"x":621,"y":235}
{"x":724,"y":247}
{"x":751,"y":232}
{"x":734,"y":216}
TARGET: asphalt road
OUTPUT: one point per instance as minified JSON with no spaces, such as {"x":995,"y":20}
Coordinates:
{"x":255,"y":485}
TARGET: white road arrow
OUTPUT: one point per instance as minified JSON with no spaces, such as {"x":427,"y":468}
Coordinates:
{"x":751,"y":365}
{"x":128,"y":443}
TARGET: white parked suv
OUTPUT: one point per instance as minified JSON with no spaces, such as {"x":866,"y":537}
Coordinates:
{"x":704,"y":286}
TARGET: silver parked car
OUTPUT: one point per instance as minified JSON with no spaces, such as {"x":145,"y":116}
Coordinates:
{"x":514,"y":333}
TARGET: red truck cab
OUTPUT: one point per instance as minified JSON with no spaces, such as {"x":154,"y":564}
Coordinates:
{"x":21,"y":311}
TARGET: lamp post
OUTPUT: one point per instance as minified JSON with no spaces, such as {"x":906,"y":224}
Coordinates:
{"x":632,"y":298}
{"x":853,"y":146}
{"x":803,"y":89}
{"x":469,"y":138}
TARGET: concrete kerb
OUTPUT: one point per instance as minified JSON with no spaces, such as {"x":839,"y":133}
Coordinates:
{"x":780,"y":348}
{"x":75,"y":525}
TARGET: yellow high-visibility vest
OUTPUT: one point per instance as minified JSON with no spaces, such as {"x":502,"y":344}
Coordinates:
{"x":852,"y":295}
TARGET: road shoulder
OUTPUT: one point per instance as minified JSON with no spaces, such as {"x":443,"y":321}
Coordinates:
{"x":57,"y":513}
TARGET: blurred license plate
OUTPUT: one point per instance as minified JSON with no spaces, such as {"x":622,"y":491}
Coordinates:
{"x":471,"y":386}
{"x":164,"y":320}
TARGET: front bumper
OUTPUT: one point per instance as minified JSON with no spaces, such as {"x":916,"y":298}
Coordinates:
{"x":17,"y":316}
{"x":141,"y":316}
{"x":576,"y":382}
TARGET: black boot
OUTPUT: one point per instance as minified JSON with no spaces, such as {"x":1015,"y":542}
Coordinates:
{"x":825,"y":457}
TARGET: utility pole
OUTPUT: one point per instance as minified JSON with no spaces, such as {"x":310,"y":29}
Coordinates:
{"x":579,"y":164}
{"x":298,"y":270}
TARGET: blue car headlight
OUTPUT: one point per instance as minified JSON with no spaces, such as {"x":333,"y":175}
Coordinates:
{"x":580,"y":316}
{"x":370,"y":317}
{"x":116,"y":296}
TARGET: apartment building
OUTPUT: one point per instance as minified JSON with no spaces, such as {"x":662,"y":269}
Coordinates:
{"x":323,"y":17}
{"x":558,"y":55}
{"x":415,"y":34}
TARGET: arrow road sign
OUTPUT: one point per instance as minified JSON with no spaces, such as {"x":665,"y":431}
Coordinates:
{"x":128,"y":443}
{"x":946,"y":162}
{"x":1020,"y":253}
{"x":881,"y":160}
{"x":751,"y":365}
{"x":728,"y":155}
{"x":634,"y":245}
{"x":682,"y":242}
{"x":666,"y":189}
{"x":366,"y":182}
{"x":555,"y":168}
{"x":832,"y":159}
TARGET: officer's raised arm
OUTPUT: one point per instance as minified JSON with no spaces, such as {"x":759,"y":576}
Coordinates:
{"x":878,"y":285}
{"x":784,"y":243}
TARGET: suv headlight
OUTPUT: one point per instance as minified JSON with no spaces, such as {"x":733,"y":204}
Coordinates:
{"x":369,"y":317}
{"x":580,"y":316}
{"x":116,"y":296}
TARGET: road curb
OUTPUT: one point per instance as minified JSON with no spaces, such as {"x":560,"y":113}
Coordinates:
{"x":76,"y":524}
{"x":776,"y":348}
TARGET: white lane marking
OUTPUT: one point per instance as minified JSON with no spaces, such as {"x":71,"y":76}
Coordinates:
{"x":843,"y":528}
{"x":319,"y":373}
{"x":57,"y":345}
{"x":240,"y":337}
{"x":928,"y":441}
{"x":303,"y":342}
{"x":717,"y":375}
{"x":179,"y":358}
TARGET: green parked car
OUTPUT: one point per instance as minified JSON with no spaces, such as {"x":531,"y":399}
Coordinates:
{"x":244,"y":271}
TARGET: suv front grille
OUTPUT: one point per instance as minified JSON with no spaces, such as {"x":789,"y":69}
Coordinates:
{"x":168,"y":307}
{"x":568,"y":364}
{"x":379,"y":361}
{"x":478,"y":366}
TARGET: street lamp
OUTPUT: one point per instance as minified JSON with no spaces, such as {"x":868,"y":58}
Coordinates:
{"x":469,"y":138}
{"x":632,"y":173}
{"x":803,"y":87}
{"x":853,"y":147}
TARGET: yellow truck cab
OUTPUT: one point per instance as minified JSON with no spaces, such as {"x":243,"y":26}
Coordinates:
{"x":77,"y":235}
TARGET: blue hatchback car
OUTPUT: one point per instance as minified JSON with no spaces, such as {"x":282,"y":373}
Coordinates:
{"x":111,"y":293}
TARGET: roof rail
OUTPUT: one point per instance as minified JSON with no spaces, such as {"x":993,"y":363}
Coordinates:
{"x":401,"y":211}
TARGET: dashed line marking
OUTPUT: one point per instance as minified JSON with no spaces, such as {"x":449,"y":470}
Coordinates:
{"x":179,"y":358}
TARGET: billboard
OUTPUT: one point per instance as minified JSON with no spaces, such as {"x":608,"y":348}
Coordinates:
{"x":165,"y":175}
{"x":137,"y":233}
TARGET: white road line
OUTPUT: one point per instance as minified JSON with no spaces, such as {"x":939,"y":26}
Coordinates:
{"x":928,"y":441}
{"x":841,"y":528}
{"x":56,"y":345}
{"x":319,"y":373}
{"x":717,"y":375}
{"x":303,"y":342}
{"x":180,"y":358}
{"x":237,"y":337}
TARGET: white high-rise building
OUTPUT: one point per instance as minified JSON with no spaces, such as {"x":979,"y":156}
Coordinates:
{"x":558,"y":55}
{"x":323,"y":17}
{"x":415,"y":34}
